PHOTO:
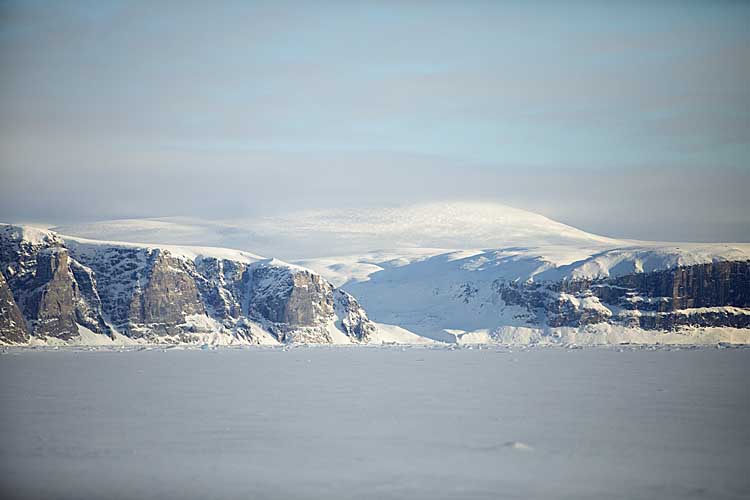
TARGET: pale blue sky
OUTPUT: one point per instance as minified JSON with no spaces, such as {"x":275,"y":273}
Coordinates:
{"x":630,"y":119}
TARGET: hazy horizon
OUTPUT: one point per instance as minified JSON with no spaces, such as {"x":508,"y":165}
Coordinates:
{"x":625,"y":119}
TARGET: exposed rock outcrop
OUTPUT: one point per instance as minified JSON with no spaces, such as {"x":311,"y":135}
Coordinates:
{"x":352,"y":317}
{"x":53,"y":291}
{"x":710,"y":294}
{"x":290,"y":301}
{"x":167,"y":296}
{"x":12,"y":324}
{"x":222,"y":284}
{"x":51,"y":303}
{"x":155,"y":295}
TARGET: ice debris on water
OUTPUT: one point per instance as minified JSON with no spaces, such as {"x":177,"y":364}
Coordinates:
{"x":518,"y":445}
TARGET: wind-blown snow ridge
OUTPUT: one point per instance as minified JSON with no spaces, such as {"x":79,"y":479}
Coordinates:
{"x":649,"y":257}
{"x":180,"y":251}
{"x":38,"y":236}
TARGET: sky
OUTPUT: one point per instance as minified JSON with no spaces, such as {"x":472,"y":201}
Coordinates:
{"x":629,"y":119}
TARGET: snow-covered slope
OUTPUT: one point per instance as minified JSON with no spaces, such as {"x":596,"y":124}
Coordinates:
{"x":446,"y":295}
{"x":546,"y":263}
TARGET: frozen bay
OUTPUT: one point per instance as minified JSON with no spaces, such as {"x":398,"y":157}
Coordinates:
{"x":365,"y":422}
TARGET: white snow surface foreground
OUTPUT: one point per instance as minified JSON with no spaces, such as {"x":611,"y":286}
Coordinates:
{"x":482,"y":272}
{"x":389,"y":423}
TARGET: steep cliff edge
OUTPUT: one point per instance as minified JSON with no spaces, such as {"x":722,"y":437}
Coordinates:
{"x":12,"y":324}
{"x":713,"y":294}
{"x":65,"y":286}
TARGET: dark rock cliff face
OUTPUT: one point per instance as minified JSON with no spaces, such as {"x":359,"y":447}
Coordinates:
{"x":712,"y":294}
{"x":704,"y":285}
{"x":12,"y":325}
{"x":222,"y":285}
{"x":58,"y":302}
{"x":51,"y":305}
{"x":89,"y":308}
{"x":167,"y":297}
{"x":150,"y":294}
{"x":18,"y":255}
{"x":353,"y":319}
{"x":291,"y":302}
{"x":296,"y":305}
{"x":295,"y":299}
{"x":45,"y":283}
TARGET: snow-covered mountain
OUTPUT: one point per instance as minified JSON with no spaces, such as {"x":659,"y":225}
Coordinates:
{"x":478,"y":272}
{"x":59,"y":289}
{"x":320,"y":233}
{"x":633,"y":293}
{"x":549,"y":282}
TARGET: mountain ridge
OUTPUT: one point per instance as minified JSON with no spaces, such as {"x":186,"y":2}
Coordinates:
{"x":546,"y":282}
